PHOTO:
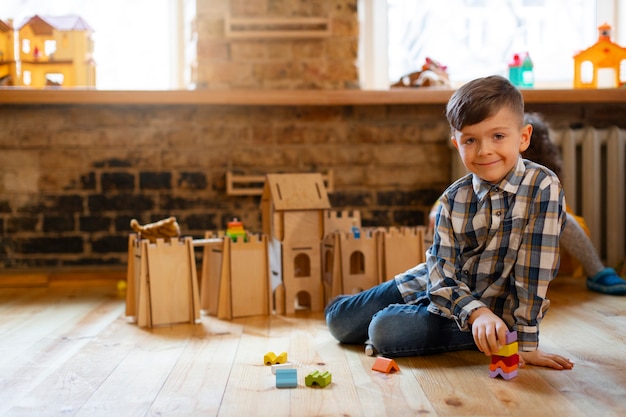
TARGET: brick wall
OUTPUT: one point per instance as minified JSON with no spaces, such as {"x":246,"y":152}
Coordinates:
{"x":72,"y":177}
{"x":217,"y":61}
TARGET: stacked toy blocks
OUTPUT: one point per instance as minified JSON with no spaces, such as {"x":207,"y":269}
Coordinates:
{"x":505,"y":362}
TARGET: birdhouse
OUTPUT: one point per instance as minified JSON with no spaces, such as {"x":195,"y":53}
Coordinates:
{"x":605,"y":59}
{"x":293,"y":208}
{"x":56,"y":51}
{"x":8,"y":73}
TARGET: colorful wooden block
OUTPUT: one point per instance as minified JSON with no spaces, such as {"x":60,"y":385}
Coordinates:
{"x":270,"y":358}
{"x":385,"y":365}
{"x":506,"y":362}
{"x":282,"y":366}
{"x":505,"y":375}
{"x":286,"y":378}
{"x":319,"y":379}
{"x":508,"y":350}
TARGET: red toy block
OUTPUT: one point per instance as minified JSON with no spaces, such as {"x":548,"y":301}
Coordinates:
{"x":385,"y":365}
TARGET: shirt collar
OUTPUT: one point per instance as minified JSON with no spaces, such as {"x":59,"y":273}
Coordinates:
{"x":510,"y":183}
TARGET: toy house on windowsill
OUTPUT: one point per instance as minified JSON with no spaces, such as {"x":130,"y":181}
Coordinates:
{"x":603,"y":56}
{"x":8,"y":73}
{"x":56,"y":51}
{"x":293,"y":207}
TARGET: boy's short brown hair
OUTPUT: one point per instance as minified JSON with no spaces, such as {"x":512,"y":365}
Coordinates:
{"x":482,"y":98}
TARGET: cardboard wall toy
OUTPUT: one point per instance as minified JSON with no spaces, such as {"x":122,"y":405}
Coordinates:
{"x":235,"y":279}
{"x":400,"y":248}
{"x":350,"y":264}
{"x":341,"y":221}
{"x":162,"y":284}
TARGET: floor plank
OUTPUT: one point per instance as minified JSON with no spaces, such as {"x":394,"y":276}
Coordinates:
{"x":68,"y":350}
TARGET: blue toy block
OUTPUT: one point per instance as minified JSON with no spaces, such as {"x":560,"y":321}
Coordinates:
{"x":286,"y":378}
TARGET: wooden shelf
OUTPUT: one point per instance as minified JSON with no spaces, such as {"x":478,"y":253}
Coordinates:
{"x":52,"y":96}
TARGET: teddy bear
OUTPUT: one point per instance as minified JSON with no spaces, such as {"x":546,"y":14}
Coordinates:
{"x":163,"y":229}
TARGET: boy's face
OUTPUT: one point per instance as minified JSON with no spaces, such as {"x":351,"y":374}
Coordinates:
{"x":490,"y":148}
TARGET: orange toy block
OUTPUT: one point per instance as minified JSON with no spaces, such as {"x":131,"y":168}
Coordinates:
{"x":385,"y":365}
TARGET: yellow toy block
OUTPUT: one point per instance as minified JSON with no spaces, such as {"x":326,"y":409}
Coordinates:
{"x":508,"y":350}
{"x":270,"y":358}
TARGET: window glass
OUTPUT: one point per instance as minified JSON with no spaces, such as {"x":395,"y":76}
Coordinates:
{"x":475,"y":38}
{"x":131,"y":37}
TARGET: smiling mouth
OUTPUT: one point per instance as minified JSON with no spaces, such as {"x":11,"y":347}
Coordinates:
{"x":484,"y":164}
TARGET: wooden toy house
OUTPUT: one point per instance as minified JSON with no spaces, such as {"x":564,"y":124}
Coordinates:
{"x":293,"y":208}
{"x":604,"y":55}
{"x":235,"y":279}
{"x":56,"y":51}
{"x":8,"y":73}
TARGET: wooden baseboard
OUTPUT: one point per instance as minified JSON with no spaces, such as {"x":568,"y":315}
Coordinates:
{"x":44,"y":279}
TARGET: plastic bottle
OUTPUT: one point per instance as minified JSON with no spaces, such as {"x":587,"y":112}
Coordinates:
{"x":527,"y":73}
{"x":515,"y":70}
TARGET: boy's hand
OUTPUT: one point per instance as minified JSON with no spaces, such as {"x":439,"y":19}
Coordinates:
{"x":548,"y":360}
{"x":489,"y":330}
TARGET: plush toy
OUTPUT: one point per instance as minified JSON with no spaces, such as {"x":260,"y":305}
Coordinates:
{"x":164,"y":229}
{"x":433,"y":74}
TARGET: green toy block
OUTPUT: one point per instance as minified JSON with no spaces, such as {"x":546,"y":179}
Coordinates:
{"x":315,"y":378}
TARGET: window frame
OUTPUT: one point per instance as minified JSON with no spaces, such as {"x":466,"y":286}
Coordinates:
{"x":373,"y":41}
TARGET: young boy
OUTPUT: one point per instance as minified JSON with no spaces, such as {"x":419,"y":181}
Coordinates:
{"x":494,"y":252}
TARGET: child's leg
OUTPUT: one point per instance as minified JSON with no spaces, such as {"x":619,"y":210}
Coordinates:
{"x":600,"y":279}
{"x":410,"y":330}
{"x":349,"y":316}
{"x":575,"y":241}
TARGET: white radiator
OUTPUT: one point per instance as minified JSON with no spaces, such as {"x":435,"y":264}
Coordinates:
{"x":594,"y":180}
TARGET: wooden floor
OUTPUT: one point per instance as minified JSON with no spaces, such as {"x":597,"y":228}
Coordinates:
{"x":67,"y":350}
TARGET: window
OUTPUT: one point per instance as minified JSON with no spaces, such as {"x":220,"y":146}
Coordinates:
{"x":133,"y":46}
{"x":475,"y":38}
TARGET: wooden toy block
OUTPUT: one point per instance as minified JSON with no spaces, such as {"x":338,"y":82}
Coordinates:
{"x":235,"y":280}
{"x":506,"y":375}
{"x":385,"y":365}
{"x":508,"y":350}
{"x":503,"y":367}
{"x":505,"y":360}
{"x":286,"y":378}
{"x":162,"y":285}
{"x":319,"y":379}
{"x":511,"y":337}
{"x":270,"y":358}
{"x":278,"y":366}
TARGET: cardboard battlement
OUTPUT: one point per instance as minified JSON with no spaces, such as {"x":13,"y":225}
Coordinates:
{"x":401,"y":231}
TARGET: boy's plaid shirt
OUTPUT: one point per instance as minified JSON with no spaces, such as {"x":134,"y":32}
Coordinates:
{"x":496,"y":245}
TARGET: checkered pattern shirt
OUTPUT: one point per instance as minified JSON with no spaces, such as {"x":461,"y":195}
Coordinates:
{"x":496,"y":245}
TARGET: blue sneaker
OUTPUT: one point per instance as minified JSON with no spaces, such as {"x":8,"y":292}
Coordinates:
{"x":607,"y":282}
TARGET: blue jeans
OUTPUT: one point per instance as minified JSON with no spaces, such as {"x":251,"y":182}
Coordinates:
{"x":393,"y":327}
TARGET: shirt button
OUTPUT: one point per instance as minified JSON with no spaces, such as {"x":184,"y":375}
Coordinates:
{"x":498,"y":213}
{"x":466,"y":272}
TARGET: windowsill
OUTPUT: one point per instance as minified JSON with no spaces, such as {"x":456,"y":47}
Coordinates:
{"x":54,"y":96}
